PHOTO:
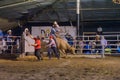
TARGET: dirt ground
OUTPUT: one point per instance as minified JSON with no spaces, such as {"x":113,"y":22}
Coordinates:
{"x":63,"y":69}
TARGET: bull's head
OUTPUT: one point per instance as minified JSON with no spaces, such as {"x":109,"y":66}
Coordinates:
{"x":72,"y":50}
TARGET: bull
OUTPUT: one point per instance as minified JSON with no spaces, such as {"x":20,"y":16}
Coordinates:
{"x":62,"y":46}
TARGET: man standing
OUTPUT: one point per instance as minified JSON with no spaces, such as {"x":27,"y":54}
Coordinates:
{"x":26,"y":41}
{"x":52,"y":45}
{"x":9,"y":41}
{"x":37,"y":46}
{"x":103,"y":44}
{"x":103,"y":41}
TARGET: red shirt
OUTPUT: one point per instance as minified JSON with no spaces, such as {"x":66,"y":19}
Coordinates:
{"x":38,"y":42}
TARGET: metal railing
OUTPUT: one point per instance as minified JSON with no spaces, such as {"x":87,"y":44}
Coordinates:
{"x":10,"y":46}
{"x":112,"y":47}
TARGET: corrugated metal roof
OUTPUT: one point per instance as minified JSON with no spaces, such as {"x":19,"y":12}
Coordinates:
{"x":60,"y":10}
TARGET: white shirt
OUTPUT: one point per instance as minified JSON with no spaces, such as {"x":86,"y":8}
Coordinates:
{"x":103,"y":42}
{"x":52,"y":43}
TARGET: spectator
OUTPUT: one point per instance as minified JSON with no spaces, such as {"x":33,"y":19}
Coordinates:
{"x":118,"y":47}
{"x":97,"y":41}
{"x":1,"y":41}
{"x":75,"y":42}
{"x":9,"y":35}
{"x":93,"y":46}
{"x":9,"y":41}
{"x":81,"y":45}
{"x":103,"y":44}
{"x":1,"y":34}
{"x":87,"y":48}
{"x":103,"y":41}
{"x":97,"y":38}
{"x":108,"y":48}
{"x":69,"y":39}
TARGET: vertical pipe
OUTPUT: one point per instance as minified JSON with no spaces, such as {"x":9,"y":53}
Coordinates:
{"x":78,"y":16}
{"x":103,"y":51}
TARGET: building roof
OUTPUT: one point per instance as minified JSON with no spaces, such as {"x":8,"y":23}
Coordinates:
{"x":59,"y":10}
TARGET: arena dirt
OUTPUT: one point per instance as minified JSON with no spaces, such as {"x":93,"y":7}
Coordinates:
{"x":63,"y":69}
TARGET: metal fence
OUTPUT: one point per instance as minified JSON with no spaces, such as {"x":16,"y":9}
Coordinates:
{"x":13,"y":45}
{"x":87,"y":44}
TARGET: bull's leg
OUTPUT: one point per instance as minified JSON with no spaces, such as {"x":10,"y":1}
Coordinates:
{"x":63,"y":53}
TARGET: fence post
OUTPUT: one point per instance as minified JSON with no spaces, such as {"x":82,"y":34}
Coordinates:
{"x":103,"y":52}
